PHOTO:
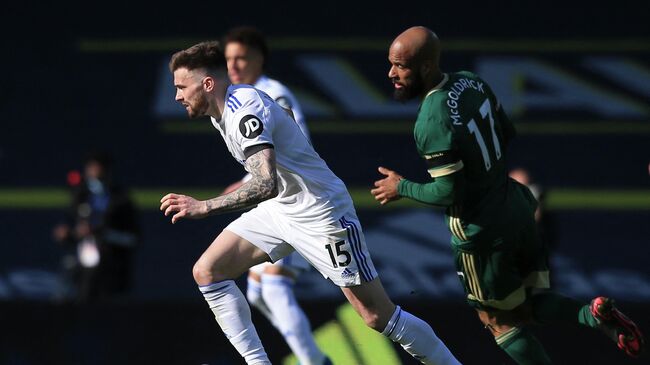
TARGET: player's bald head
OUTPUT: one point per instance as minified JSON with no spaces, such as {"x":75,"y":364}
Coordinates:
{"x":418,"y":44}
{"x":414,"y":57}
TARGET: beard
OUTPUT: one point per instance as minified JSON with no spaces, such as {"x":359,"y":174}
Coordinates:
{"x":199,"y":108}
{"x":409,"y":92}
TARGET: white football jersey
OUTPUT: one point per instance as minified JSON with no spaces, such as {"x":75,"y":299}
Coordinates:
{"x":284,"y":97}
{"x":308,"y":189}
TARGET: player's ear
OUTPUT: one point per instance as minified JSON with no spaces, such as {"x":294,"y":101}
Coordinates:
{"x":208,"y":83}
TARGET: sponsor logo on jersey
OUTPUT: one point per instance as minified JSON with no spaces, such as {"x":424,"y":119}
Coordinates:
{"x":233,"y":103}
{"x":434,"y":155}
{"x":250,"y":126}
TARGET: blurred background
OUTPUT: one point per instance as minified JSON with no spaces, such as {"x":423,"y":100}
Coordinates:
{"x":89,"y":127}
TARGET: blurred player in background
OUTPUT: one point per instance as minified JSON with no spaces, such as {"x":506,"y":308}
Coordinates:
{"x":545,"y":219}
{"x":270,"y":286}
{"x":103,"y":231}
{"x":462,"y":133}
{"x":300,"y":205}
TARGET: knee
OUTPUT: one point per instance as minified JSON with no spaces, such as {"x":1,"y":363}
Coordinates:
{"x":204,"y":274}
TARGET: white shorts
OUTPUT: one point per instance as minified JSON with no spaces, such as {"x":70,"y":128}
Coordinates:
{"x":293,"y":262}
{"x":335,"y":247}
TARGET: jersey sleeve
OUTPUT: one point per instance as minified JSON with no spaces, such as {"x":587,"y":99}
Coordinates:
{"x":253,"y":128}
{"x":434,"y":137}
{"x":438,"y":192}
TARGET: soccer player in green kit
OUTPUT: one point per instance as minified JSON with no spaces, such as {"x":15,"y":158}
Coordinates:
{"x":462,"y":133}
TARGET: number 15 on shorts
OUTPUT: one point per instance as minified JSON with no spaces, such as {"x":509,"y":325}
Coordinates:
{"x":336,"y":251}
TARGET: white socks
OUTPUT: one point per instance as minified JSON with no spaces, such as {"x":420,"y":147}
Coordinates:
{"x":254,"y":296}
{"x":234,"y":317}
{"x":418,"y":339}
{"x":289,"y":318}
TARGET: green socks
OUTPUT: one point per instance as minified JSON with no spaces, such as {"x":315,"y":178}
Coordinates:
{"x":585,"y":317}
{"x":548,"y":308}
{"x":523,"y":347}
{"x":554,"y":308}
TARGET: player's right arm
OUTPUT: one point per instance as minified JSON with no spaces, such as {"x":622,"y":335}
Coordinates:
{"x":434,"y":137}
{"x":443,"y":167}
{"x":440,"y":191}
{"x":234,"y":186}
{"x":262,"y":186}
{"x":254,"y":136}
{"x":393,"y":186}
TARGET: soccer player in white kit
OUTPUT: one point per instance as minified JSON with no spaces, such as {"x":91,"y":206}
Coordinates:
{"x":301,"y":206}
{"x":270,"y":285}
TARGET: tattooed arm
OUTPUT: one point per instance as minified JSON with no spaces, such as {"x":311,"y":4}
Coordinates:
{"x":262,"y":186}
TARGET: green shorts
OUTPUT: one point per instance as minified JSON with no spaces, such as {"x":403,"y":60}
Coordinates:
{"x":497,"y":269}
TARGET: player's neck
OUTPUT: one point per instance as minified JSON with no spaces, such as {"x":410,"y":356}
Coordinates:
{"x":434,"y":82}
{"x":219,"y":101}
{"x":257,"y":78}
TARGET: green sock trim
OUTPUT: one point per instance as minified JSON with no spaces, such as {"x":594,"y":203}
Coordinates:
{"x":585,"y":317}
{"x":523,"y":347}
{"x":504,"y":339}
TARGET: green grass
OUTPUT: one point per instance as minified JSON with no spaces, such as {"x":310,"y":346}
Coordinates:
{"x":371,"y":345}
{"x":599,"y":199}
{"x":347,"y":340}
{"x":149,"y":198}
{"x":33,"y":198}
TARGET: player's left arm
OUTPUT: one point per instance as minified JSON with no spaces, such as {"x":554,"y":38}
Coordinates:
{"x":262,"y":186}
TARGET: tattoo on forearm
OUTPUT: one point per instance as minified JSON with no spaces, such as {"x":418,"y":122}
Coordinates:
{"x":262,"y":186}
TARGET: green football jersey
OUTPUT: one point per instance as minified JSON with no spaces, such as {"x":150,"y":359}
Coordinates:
{"x":461,"y":129}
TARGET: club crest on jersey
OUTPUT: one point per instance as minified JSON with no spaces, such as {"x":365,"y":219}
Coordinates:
{"x":250,"y":126}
